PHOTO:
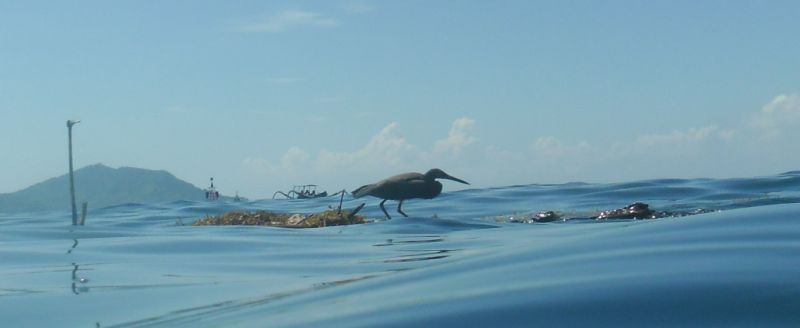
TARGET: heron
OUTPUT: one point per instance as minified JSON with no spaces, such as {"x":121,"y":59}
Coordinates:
{"x":406,"y":186}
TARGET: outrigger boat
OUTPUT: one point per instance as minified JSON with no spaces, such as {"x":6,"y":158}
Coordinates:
{"x":301,"y":192}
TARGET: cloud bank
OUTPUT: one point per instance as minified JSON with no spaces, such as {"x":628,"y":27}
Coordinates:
{"x":690,"y":136}
{"x":287,"y":20}
{"x":707,"y":151}
{"x":387,"y":152}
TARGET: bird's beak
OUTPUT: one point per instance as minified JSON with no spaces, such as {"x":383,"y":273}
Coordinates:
{"x":450,"y":177}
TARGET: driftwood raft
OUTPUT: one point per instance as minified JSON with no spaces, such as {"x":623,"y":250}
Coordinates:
{"x":331,"y":217}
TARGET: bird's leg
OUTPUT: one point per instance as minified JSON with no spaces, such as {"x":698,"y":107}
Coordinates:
{"x":384,"y":210}
{"x":399,"y":209}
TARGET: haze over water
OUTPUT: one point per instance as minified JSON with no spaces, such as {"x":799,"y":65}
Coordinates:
{"x":134,"y":265}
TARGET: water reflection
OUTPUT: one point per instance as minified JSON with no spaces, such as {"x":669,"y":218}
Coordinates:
{"x":411,"y":240}
{"x":189,"y":315}
{"x":415,"y":255}
{"x":75,"y":244}
{"x":420,"y":255}
{"x":76,"y":288}
{"x":77,"y":282}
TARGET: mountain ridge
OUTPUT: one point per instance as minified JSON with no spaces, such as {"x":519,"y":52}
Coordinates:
{"x":102,"y":186}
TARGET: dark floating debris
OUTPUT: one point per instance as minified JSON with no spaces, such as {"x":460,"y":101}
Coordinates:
{"x":635,"y":211}
{"x":264,"y":218}
{"x":541,"y":217}
{"x":642,"y":211}
{"x":548,"y":216}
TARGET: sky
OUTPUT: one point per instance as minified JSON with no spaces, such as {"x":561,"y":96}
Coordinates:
{"x":263,"y":95}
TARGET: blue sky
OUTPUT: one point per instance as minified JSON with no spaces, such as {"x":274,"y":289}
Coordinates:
{"x":263,"y":95}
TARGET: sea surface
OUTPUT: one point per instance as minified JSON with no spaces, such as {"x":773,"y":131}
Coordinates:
{"x":459,"y":260}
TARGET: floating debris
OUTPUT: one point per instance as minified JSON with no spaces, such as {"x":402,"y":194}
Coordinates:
{"x":542,"y":217}
{"x":548,"y":216}
{"x":284,"y":220}
{"x":633,"y":211}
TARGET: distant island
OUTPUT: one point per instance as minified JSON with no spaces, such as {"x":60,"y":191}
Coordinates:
{"x":103,"y":186}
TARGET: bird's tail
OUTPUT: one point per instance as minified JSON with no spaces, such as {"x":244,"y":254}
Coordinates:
{"x":363,"y":190}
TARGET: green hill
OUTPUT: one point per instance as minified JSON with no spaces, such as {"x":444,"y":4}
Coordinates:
{"x":102,"y":186}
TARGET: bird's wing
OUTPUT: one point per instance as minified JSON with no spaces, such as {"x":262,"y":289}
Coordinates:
{"x":390,"y":188}
{"x":405,"y":177}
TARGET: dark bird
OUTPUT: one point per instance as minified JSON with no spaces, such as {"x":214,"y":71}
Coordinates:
{"x":406,"y":186}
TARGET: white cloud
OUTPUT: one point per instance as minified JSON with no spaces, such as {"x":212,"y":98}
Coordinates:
{"x":458,"y":138}
{"x":783,"y":111}
{"x":289,"y":19}
{"x":727,"y":134}
{"x":785,"y":104}
{"x":294,"y":159}
{"x":690,"y":136}
{"x":550,"y":147}
{"x":388,"y":147}
{"x":358,"y":8}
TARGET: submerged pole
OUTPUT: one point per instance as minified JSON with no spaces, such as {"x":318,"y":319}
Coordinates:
{"x":84,"y":205}
{"x":70,"y":123}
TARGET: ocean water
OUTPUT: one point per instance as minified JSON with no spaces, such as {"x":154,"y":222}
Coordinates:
{"x":457,"y":261}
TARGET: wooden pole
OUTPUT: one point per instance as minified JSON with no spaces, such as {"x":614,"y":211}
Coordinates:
{"x":341,"y":199}
{"x":71,"y":178}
